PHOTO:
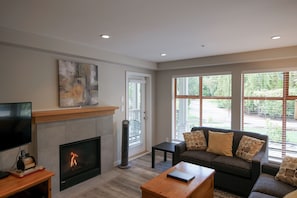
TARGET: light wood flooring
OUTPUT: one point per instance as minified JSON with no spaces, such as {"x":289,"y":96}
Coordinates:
{"x":123,"y":183}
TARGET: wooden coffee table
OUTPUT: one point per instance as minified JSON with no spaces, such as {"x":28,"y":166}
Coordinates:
{"x":162,"y":186}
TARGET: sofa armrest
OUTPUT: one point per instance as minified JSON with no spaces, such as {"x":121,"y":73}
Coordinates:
{"x":257,"y":162}
{"x":179,"y":148}
{"x":261,"y":157}
{"x":269,"y":168}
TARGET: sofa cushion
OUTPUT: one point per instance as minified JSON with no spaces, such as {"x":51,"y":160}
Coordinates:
{"x":270,"y":168}
{"x":220,"y":143}
{"x":232,"y":165}
{"x":288,"y":171}
{"x":260,"y":195}
{"x":198,"y":157}
{"x":195,"y":140}
{"x":249,"y":147}
{"x":267,"y":184}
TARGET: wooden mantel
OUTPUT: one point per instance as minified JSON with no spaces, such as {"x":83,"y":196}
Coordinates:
{"x":69,"y":114}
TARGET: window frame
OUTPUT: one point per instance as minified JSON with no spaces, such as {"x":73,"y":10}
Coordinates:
{"x":199,"y":97}
{"x":286,"y":97}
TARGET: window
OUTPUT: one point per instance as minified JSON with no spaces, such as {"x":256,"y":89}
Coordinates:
{"x":201,"y":100}
{"x":269,"y":107}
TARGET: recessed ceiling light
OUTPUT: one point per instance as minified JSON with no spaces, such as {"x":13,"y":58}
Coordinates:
{"x":163,"y":54}
{"x":105,"y":36}
{"x":275,"y":37}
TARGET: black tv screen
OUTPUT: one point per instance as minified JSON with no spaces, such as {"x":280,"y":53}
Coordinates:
{"x":15,"y":124}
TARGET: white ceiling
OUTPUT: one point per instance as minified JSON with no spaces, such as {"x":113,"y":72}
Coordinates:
{"x":145,"y":28}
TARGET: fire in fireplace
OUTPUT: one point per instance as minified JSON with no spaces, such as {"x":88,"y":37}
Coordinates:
{"x":79,"y":161}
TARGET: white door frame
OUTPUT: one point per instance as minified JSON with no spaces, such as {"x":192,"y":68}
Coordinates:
{"x":148,"y":95}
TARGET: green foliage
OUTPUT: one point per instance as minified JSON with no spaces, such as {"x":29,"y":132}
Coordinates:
{"x":274,"y":131}
{"x":255,"y":85}
{"x":219,"y":85}
{"x":293,"y":83}
{"x":261,"y":82}
{"x":193,"y":85}
{"x":268,"y":85}
{"x":188,"y":85}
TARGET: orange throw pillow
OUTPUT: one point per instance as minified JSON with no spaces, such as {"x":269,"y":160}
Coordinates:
{"x":220,"y":143}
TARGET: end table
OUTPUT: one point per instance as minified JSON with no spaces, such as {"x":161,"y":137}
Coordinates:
{"x":166,"y":147}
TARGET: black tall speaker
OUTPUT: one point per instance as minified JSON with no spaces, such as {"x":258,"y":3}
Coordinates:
{"x":125,"y":145}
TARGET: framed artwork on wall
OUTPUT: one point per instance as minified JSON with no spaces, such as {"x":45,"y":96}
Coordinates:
{"x":78,"y":84}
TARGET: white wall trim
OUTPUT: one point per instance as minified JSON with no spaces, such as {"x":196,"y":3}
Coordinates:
{"x":148,"y":105}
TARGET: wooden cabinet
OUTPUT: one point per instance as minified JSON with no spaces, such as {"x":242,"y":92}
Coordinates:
{"x":37,"y":184}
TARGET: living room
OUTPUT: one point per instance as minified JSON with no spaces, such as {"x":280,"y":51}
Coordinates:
{"x":29,"y":72}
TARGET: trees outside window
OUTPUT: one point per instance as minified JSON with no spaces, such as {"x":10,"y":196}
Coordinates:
{"x":269,"y":107}
{"x":202,"y":100}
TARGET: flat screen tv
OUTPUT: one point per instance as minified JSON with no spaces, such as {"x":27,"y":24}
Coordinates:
{"x":15,"y":124}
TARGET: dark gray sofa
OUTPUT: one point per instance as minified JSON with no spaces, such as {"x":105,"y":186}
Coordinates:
{"x":232,"y":173}
{"x":267,"y":186}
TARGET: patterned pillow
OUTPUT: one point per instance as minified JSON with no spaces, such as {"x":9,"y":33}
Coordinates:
{"x":195,"y":140}
{"x":220,"y":143}
{"x":292,"y":194}
{"x":288,"y":171}
{"x":249,"y":147}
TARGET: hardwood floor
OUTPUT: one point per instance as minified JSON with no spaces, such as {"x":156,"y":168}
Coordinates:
{"x":123,"y":183}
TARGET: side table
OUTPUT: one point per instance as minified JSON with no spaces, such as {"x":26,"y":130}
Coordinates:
{"x":166,"y":147}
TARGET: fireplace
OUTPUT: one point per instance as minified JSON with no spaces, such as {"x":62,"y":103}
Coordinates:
{"x":79,"y":161}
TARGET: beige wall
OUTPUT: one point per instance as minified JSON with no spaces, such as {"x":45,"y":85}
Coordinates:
{"x":31,"y":74}
{"x":164,"y":86}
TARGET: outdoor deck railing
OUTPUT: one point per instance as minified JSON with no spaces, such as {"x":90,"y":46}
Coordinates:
{"x":134,"y":127}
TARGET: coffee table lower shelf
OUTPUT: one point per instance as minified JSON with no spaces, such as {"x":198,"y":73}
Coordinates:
{"x":162,"y":186}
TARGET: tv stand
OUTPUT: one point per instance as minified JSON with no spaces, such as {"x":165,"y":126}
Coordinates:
{"x":37,"y":184}
{"x":4,"y":174}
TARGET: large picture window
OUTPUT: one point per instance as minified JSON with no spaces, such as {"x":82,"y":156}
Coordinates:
{"x":269,"y":107}
{"x":201,"y":100}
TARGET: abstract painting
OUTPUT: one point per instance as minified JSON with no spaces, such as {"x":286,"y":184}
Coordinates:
{"x":78,"y":84}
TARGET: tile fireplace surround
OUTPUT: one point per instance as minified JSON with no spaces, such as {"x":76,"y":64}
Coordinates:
{"x":56,"y":127}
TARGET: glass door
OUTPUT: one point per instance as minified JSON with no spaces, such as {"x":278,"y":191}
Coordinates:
{"x":136,"y":114}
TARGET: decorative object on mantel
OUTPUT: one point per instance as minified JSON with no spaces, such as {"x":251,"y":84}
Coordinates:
{"x":78,"y":84}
